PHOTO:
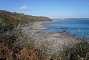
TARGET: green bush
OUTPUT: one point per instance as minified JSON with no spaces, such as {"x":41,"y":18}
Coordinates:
{"x":78,"y":52}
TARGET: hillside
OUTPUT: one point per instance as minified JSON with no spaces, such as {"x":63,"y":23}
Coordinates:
{"x":33,"y":44}
{"x":21,"y":17}
{"x":9,"y":34}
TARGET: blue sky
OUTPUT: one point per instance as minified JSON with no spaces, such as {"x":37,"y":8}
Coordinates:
{"x":50,"y":8}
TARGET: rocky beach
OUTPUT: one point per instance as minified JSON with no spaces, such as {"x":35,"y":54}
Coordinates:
{"x":53,"y":41}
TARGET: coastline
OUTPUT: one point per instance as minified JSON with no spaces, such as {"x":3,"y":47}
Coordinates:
{"x":53,"y":41}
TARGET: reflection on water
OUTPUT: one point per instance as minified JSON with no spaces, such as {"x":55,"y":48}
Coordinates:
{"x":79,"y":28}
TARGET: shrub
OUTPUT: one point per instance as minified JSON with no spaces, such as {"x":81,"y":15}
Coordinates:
{"x":78,"y":52}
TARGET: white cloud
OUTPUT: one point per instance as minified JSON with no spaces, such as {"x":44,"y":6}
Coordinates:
{"x":24,"y":9}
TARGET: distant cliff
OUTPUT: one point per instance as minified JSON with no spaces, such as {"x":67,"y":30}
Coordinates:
{"x":13,"y":16}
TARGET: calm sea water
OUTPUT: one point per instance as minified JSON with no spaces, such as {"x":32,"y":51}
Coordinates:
{"x":76,"y":27}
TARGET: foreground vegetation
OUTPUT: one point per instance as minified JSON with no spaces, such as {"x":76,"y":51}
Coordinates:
{"x":13,"y":46}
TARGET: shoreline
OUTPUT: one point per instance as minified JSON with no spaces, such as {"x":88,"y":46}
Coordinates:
{"x":53,"y":41}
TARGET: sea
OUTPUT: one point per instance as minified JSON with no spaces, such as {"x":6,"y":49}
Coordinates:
{"x":78,"y":27}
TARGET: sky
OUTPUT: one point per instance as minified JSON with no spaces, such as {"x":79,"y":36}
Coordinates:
{"x":49,"y":8}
